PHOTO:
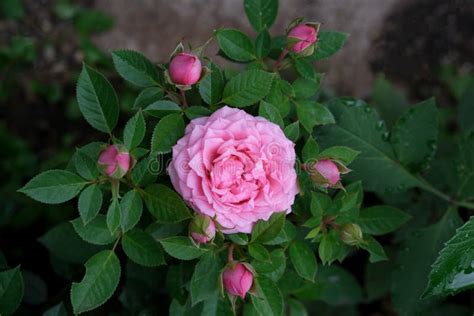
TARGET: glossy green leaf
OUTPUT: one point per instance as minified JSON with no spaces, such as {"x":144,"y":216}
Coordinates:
{"x":113,"y":216}
{"x":271,"y":113}
{"x":415,"y":134}
{"x":292,"y":131}
{"x":466,"y":110}
{"x":265,"y":231}
{"x":197,"y":111}
{"x":54,"y":186}
{"x":182,"y":248}
{"x":359,"y":128}
{"x":330,"y":247}
{"x":340,"y":153}
{"x":259,"y":252}
{"x":162,"y":108}
{"x":148,"y":96}
{"x":247,"y":88}
{"x":329,"y":43}
{"x":205,"y":279}
{"x":235,"y":44}
{"x":86,"y":165}
{"x":11,"y":290}
{"x":263,"y":44}
{"x":131,"y":208}
{"x":269,"y":301}
{"x":211,"y":86}
{"x":145,"y":171}
{"x":453,"y":269}
{"x":99,"y":283}
{"x":303,"y":260}
{"x":141,"y":248}
{"x":165,"y":204}
{"x":97,"y":100}
{"x":388,"y":101}
{"x":167,"y":132}
{"x":312,"y":113}
{"x":305,"y":68}
{"x":381,"y":219}
{"x":339,"y":286}
{"x":134,"y":131}
{"x":261,"y":13}
{"x":135,"y":68}
{"x":374,"y":248}
{"x":310,"y":150}
{"x":90,"y":202}
{"x":274,"y":268}
{"x":305,"y":88}
{"x":95,"y":232}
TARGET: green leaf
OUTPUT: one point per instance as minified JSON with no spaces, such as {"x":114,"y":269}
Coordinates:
{"x":165,"y":205}
{"x":131,"y":208}
{"x":97,"y":100}
{"x":339,"y":286}
{"x":90,"y":202}
{"x":374,"y":248}
{"x":466,"y":110}
{"x":415,"y":135}
{"x":263,"y":44}
{"x":271,"y":113}
{"x":182,"y":248}
{"x":465,"y":167}
{"x":274,"y":268}
{"x":388,"y":101}
{"x":56,"y":310}
{"x":340,"y":153}
{"x":261,"y":13}
{"x":141,"y":248}
{"x":279,"y":96}
{"x":297,"y":308}
{"x":329,"y":43}
{"x":269,"y":301}
{"x":305,"y":88}
{"x":162,"y":108}
{"x":247,"y":88}
{"x":265,"y":231}
{"x":96,"y":232}
{"x":359,"y":127}
{"x":113,"y":216}
{"x":305,"y":68}
{"x":11,"y":290}
{"x":330,"y":247}
{"x":259,"y":252}
{"x":205,"y":279}
{"x":292,"y":131}
{"x":147,"y":97}
{"x":99,"y":283}
{"x":167,"y":132}
{"x":381,"y":219}
{"x":134,"y":131}
{"x":135,"y":68}
{"x":54,"y":186}
{"x":211,"y":86}
{"x":85,"y":165}
{"x":303,"y":260}
{"x":197,"y":111}
{"x":235,"y":44}
{"x":414,"y":260}
{"x":239,"y":238}
{"x":63,"y":242}
{"x":452,"y":271}
{"x":311,"y":113}
{"x":310,"y":150}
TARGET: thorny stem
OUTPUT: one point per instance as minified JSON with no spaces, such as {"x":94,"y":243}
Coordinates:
{"x":283,"y":54}
{"x":230,"y":253}
{"x":183,"y":98}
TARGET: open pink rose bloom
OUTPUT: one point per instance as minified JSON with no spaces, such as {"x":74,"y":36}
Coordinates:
{"x":235,"y":168}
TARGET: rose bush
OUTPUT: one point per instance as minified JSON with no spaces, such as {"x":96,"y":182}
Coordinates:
{"x":275,"y":171}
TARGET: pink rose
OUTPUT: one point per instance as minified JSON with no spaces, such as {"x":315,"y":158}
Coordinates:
{"x":306,"y":34}
{"x":237,"y":280}
{"x":235,"y":168}
{"x":185,"y":69}
{"x":114,"y":161}
{"x":202,"y":229}
{"x":328,"y":170}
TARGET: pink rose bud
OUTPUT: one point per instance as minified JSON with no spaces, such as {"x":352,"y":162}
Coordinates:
{"x":202,"y":229}
{"x":306,"y":34}
{"x":237,"y":279}
{"x":185,"y":69}
{"x":328,"y":170}
{"x":114,"y":161}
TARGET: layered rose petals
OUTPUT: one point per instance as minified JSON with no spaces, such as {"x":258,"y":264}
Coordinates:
{"x":235,"y":168}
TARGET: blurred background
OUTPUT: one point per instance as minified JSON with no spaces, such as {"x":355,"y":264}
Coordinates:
{"x":399,"y":52}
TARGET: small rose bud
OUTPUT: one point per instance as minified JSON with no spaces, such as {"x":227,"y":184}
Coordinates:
{"x":237,"y":279}
{"x":305,"y":35}
{"x":329,"y":171}
{"x":114,"y":161}
{"x":202,"y":229}
{"x":351,"y":234}
{"x":185,"y":69}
